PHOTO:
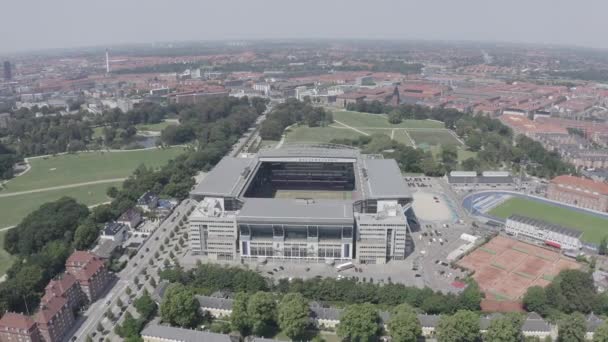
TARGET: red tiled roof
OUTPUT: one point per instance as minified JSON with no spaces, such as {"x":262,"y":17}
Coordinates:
{"x":80,"y":258}
{"x":49,"y":310}
{"x":89,"y":270}
{"x":16,"y":321}
{"x":582,"y":183}
{"x":58,"y":287}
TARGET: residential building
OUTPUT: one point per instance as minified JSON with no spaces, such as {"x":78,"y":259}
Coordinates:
{"x":114,"y":231}
{"x":16,"y":327}
{"x":91,"y":273}
{"x":578,"y":191}
{"x":550,"y":234}
{"x":54,"y":319}
{"x":162,"y":333}
{"x":148,"y":201}
{"x":65,"y":285}
{"x":131,"y":218}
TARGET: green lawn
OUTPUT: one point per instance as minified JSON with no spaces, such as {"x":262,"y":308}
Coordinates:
{"x":14,"y":208}
{"x":6,"y":260}
{"x":86,"y":167}
{"x":157,"y":127}
{"x":319,"y":134}
{"x":98,"y":132}
{"x":435,"y":137}
{"x":593,"y":227}
{"x":358,"y":119}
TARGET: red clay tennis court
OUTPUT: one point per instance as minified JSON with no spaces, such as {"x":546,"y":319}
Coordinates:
{"x":505,"y":268}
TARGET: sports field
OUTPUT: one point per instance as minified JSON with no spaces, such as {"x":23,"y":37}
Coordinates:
{"x":86,"y":167}
{"x":328,"y":194}
{"x":433,"y":138}
{"x":505,"y":268}
{"x":594,"y":228}
{"x":358,"y":119}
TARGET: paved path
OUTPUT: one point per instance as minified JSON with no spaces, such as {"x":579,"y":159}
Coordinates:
{"x":67,"y":186}
{"x":351,"y":127}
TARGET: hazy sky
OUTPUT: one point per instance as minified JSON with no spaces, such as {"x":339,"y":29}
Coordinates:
{"x":39,"y":24}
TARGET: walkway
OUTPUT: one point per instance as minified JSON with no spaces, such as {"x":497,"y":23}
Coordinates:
{"x":75,"y":185}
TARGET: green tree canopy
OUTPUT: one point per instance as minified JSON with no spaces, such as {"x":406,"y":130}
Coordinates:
{"x":360,"y":323}
{"x":293,"y":315}
{"x":180,"y":306}
{"x":535,"y":300}
{"x":404,"y":325}
{"x":239,"y":320}
{"x":572,"y":328}
{"x":601,"y":333}
{"x":506,"y":328}
{"x":463,"y":326}
{"x":262,"y":312}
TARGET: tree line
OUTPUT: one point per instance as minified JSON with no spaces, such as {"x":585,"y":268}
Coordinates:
{"x":61,"y":226}
{"x":291,"y":112}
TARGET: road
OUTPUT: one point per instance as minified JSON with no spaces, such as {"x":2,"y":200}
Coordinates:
{"x":95,"y":313}
{"x":67,"y":186}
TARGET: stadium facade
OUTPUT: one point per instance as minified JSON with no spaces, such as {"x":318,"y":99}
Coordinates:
{"x":303,"y":203}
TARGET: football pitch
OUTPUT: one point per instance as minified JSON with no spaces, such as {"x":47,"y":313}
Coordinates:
{"x":366,"y":120}
{"x":594,"y":228}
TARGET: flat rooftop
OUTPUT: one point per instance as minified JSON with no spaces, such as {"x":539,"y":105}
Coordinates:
{"x":227,"y":178}
{"x":268,"y":210}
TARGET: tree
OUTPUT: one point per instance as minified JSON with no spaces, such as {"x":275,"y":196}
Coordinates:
{"x":506,"y":328}
{"x":239,"y":320}
{"x":603,"y":248}
{"x":262,"y":312}
{"x":99,"y":327}
{"x":572,"y":328}
{"x":394,"y":117}
{"x":86,"y":234}
{"x":128,"y":291}
{"x":112,"y":192}
{"x":180,"y":306}
{"x":145,"y":306}
{"x":271,"y":130}
{"x":470,"y":298}
{"x":293,"y":315}
{"x":449,"y":154}
{"x":535,"y":300}
{"x":463,"y":326}
{"x":152,"y":282}
{"x":572,"y":291}
{"x":119,"y":303}
{"x":359,"y":322}
{"x":601,"y":333}
{"x":404,"y":325}
{"x":130,"y":326}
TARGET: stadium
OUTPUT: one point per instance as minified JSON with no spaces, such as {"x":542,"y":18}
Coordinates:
{"x":305,"y":203}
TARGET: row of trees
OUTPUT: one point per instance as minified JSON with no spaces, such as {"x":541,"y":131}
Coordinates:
{"x":131,"y":327}
{"x":208,"y":278}
{"x":8,"y":158}
{"x":292,"y":112}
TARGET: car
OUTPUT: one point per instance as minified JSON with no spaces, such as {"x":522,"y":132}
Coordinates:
{"x":274,"y":269}
{"x":282,"y":268}
{"x":269,"y":272}
{"x":417,"y":275}
{"x":108,"y":302}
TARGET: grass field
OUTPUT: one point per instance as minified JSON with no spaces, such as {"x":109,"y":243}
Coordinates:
{"x":15,"y":208}
{"x":86,"y":167}
{"x":157,"y":127}
{"x":360,"y":120}
{"x":594,"y":228}
{"x":435,"y":137}
{"x":319,"y":134}
{"x":6,"y":260}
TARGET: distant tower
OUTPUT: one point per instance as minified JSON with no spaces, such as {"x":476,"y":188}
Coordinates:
{"x":395,"y":98}
{"x":107,"y":62}
{"x":8,"y":73}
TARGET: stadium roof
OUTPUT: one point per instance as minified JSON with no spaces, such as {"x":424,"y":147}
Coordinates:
{"x":310,"y":151}
{"x":268,"y":210}
{"x":383,"y":179}
{"x":546,"y":225}
{"x":226,"y":178}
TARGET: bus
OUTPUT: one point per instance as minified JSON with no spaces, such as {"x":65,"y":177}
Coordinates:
{"x":345,"y":266}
